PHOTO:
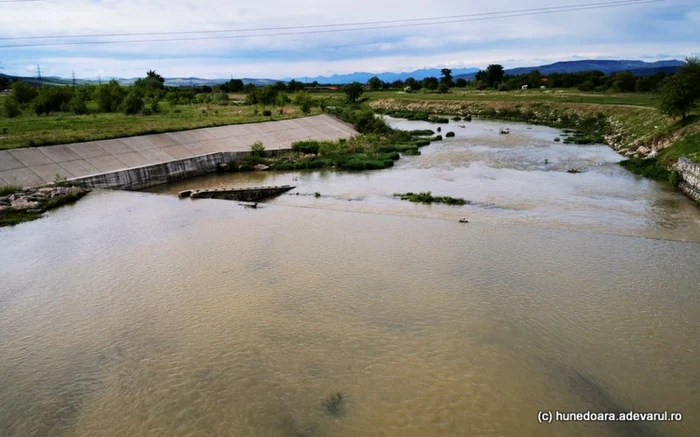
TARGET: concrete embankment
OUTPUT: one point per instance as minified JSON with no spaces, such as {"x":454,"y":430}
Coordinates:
{"x":160,"y":155}
{"x":138,"y":178}
{"x":691,"y":178}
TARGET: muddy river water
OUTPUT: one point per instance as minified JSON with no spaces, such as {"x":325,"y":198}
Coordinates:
{"x":138,"y":314}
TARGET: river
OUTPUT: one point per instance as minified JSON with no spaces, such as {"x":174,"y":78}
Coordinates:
{"x":141,"y":314}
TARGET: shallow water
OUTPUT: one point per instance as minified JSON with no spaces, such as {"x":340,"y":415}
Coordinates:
{"x":504,"y":176}
{"x":141,"y":314}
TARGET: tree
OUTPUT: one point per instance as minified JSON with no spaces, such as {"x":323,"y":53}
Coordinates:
{"x":494,"y":75}
{"x":624,"y":82}
{"x":152,"y":82}
{"x":446,"y":76}
{"x":23,"y":92}
{"x":375,"y":83}
{"x":305,"y":101}
{"x":10,"y":107}
{"x":109,"y":96}
{"x":133,"y":103}
{"x":233,"y":86}
{"x":430,"y":83}
{"x":443,"y":88}
{"x":681,"y":91}
{"x":461,"y":82}
{"x":353,"y":91}
{"x":414,"y":84}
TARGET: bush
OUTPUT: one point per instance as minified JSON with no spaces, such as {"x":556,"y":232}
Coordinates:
{"x":78,"y":105}
{"x":449,"y":134}
{"x":257,"y":149}
{"x":306,"y":147}
{"x":52,"y":99}
{"x":436,"y":119}
{"x":10,"y":107}
{"x":436,"y":138}
{"x":133,"y":103}
{"x":23,"y":92}
{"x":267,"y":113}
{"x":305,"y":102}
{"x":146,"y":111}
{"x":110,"y":96}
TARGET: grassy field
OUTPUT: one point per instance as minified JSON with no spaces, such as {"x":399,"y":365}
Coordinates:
{"x":31,"y":130}
{"x":529,"y":96}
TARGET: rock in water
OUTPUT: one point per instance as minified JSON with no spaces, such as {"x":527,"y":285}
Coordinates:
{"x":261,"y":167}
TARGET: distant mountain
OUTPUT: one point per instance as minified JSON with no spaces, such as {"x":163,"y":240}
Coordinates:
{"x":363,"y":77}
{"x":639,"y":68}
{"x":169,"y":81}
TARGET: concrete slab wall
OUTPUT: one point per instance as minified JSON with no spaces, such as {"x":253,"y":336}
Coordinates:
{"x":37,"y":166}
{"x":138,"y":178}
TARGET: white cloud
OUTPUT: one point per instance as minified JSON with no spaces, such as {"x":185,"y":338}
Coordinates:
{"x":522,"y":39}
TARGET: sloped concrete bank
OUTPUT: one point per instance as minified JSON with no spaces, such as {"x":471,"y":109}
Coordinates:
{"x":138,"y":178}
{"x":691,"y":178}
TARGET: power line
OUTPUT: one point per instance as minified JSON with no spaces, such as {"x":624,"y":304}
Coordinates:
{"x":315,"y":26}
{"x":20,"y":1}
{"x":490,"y":16}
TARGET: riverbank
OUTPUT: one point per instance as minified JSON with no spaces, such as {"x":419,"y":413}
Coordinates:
{"x":18,"y":205}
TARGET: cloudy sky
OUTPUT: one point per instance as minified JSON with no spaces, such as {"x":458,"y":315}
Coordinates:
{"x":649,"y":31}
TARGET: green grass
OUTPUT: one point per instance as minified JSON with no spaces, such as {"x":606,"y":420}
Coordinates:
{"x":688,"y":146}
{"x":11,"y":217}
{"x":9,"y":189}
{"x":427,"y":197}
{"x":650,"y":168}
{"x":31,"y":130}
{"x":363,"y":152}
{"x":545,"y":96}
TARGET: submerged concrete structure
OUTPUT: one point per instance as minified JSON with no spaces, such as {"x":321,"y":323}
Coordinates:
{"x":147,"y":160}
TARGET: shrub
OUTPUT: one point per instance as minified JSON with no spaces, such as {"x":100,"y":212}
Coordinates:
{"x":78,"y":105}
{"x":146,"y":111}
{"x":436,"y":119}
{"x":10,"y":107}
{"x":267,"y":113}
{"x":110,"y":96}
{"x":257,"y":149}
{"x":436,"y":138}
{"x":23,"y":92}
{"x":449,"y":134}
{"x":305,"y":102}
{"x":421,"y":132}
{"x":133,"y":103}
{"x":306,"y":147}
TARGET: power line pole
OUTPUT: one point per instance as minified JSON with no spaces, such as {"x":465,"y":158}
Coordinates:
{"x":99,"y":79}
{"x":73,"y":79}
{"x":38,"y":73}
